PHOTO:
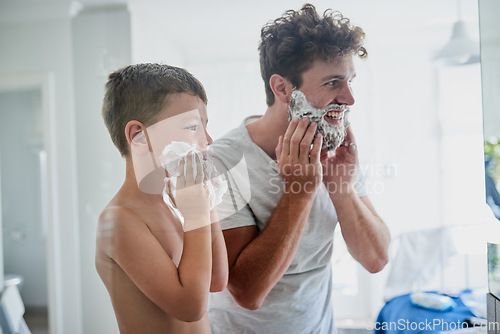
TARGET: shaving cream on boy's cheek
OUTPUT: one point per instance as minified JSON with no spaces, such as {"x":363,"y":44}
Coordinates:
{"x":333,"y":135}
{"x":177,"y":153}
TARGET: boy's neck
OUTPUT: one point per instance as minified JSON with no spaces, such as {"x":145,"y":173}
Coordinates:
{"x":131,"y":187}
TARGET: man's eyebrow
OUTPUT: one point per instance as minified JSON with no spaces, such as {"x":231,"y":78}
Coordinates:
{"x":337,"y":76}
{"x":330,"y":77}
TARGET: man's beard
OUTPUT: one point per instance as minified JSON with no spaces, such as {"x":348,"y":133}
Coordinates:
{"x":333,"y":134}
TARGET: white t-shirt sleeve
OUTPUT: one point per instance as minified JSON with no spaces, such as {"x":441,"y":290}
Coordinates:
{"x":234,"y":210}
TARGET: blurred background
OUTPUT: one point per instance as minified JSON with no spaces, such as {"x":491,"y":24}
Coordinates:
{"x":417,"y":120}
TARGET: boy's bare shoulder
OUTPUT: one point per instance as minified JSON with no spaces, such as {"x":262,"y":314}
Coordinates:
{"x":113,"y":211}
{"x":117,"y":225}
{"x":118,"y":217}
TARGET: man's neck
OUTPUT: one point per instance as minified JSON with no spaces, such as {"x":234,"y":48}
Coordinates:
{"x":266,"y":130}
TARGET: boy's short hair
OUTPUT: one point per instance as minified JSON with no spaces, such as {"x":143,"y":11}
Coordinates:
{"x":139,"y":92}
{"x":291,"y":43}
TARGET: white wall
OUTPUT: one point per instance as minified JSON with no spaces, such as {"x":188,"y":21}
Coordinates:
{"x":37,"y":40}
{"x":101,"y":44}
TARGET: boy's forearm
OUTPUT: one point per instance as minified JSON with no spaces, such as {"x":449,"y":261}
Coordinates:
{"x":264,"y":260}
{"x":195,"y":266}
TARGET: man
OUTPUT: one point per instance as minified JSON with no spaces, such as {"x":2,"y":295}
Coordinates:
{"x":280,"y":243}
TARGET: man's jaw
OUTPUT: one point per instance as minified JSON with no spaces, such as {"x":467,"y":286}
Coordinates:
{"x":333,"y":131}
{"x":332,"y":120}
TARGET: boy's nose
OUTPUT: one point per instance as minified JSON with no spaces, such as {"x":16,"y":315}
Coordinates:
{"x":209,"y":139}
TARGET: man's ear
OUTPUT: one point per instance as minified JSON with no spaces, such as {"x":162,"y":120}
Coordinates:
{"x":136,"y":135}
{"x":281,"y":87}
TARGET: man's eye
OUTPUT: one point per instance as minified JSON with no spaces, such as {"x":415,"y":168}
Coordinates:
{"x":332,"y":83}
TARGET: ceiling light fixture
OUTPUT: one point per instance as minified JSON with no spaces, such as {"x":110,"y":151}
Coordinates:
{"x":460,"y":49}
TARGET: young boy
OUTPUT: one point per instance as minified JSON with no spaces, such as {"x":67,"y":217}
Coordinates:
{"x":157,"y":267}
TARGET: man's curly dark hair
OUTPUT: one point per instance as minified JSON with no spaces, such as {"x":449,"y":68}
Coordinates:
{"x":290,"y":44}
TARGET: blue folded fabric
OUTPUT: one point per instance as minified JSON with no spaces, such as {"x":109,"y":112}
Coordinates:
{"x":400,"y":316}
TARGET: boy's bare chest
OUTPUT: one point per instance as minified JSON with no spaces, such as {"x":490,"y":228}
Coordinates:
{"x":169,"y":234}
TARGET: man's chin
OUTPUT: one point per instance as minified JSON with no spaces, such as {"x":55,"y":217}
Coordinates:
{"x":333,"y":138}
{"x":331,"y":146}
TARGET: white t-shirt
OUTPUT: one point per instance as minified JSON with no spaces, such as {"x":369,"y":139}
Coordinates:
{"x":301,"y":301}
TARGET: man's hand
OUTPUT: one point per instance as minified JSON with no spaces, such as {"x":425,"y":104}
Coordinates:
{"x":339,"y":170}
{"x":298,"y":164}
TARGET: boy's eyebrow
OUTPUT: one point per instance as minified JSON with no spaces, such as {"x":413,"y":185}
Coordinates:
{"x":190,"y":117}
{"x":196,"y":117}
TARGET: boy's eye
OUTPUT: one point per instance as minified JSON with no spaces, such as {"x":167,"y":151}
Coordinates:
{"x":192,"y":127}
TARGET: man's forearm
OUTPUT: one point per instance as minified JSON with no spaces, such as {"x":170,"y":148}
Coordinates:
{"x":265,"y":259}
{"x":219,"y":260}
{"x":366,"y":235}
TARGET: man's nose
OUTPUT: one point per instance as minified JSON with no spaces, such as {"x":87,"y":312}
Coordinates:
{"x":346,"y":96}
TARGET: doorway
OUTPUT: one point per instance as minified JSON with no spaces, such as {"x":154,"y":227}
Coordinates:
{"x":25,"y":199}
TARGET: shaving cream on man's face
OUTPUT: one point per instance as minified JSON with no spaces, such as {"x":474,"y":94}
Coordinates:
{"x":332,"y":120}
{"x":172,"y":156}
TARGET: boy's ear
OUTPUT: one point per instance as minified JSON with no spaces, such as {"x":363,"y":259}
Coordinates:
{"x":281,"y":87}
{"x":136,"y":137}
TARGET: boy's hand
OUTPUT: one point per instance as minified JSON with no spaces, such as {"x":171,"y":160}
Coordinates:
{"x":192,"y":198}
{"x":298,"y":164}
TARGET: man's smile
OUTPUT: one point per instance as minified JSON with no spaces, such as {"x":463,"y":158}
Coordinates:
{"x":334,"y":117}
